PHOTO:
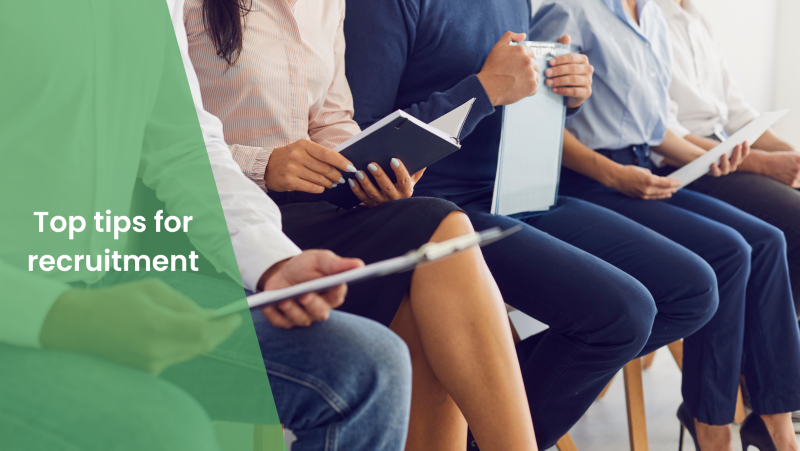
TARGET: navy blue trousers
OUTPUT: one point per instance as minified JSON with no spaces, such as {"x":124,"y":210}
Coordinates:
{"x":754,"y":331}
{"x":609,"y":289}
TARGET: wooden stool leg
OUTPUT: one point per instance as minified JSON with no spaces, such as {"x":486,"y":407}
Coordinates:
{"x":514,"y":333}
{"x":647,"y":361}
{"x":603,"y":393}
{"x":740,"y":414}
{"x":565,"y":443}
{"x":634,"y":394}
{"x":676,"y":348}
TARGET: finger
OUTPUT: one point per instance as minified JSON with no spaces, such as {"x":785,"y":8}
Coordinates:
{"x":580,"y":93}
{"x":315,"y":178}
{"x":417,"y":175}
{"x":335,"y":296}
{"x":564,"y":39}
{"x":569,"y":58}
{"x":330,"y":173}
{"x":330,"y":263}
{"x":745,"y":150}
{"x":507,"y":38}
{"x":369,"y":188}
{"x":736,"y":157}
{"x":329,"y":156}
{"x":715,"y":170}
{"x":578,"y":81}
{"x":657,"y":196}
{"x":315,"y":306}
{"x":298,"y":183}
{"x":276,"y":318}
{"x":383,"y":181}
{"x":664,"y":183}
{"x":568,"y":69}
{"x":359,"y":192}
{"x":405,"y":182}
{"x":294,"y":313}
{"x":724,"y":165}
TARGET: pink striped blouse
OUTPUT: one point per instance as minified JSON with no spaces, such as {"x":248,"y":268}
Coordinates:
{"x":288,"y":83}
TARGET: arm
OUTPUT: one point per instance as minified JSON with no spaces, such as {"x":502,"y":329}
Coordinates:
{"x":334,"y":124}
{"x":630,"y":180}
{"x":380,"y":38}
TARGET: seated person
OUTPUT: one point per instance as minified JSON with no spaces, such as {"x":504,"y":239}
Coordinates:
{"x":707,"y":106}
{"x":75,"y":351}
{"x":595,"y":277}
{"x":607,"y":162}
{"x":275,"y":78}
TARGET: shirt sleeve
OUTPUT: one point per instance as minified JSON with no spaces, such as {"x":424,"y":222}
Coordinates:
{"x":252,"y":218}
{"x":380,"y":37}
{"x":740,"y":113}
{"x":25,"y":304}
{"x":334,"y":123}
{"x":553,"y":20}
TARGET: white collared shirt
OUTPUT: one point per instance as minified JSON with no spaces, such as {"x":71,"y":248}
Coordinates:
{"x":704,"y":98}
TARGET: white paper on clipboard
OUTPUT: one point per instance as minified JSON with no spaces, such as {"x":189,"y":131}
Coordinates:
{"x":430,"y":252}
{"x":749,"y":133}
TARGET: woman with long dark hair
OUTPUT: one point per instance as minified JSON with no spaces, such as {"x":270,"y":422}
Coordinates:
{"x":272,"y":71}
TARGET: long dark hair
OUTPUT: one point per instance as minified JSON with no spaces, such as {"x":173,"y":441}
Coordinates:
{"x":223,"y":20}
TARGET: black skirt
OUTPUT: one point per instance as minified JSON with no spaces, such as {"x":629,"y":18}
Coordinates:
{"x":371,"y":234}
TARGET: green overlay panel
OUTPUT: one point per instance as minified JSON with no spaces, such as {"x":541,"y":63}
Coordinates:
{"x":113,"y":244}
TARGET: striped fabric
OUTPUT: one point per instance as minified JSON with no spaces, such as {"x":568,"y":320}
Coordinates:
{"x":288,"y":83}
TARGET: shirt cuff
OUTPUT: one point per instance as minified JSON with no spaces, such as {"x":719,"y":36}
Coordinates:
{"x":573,"y":111}
{"x":31,"y":297}
{"x":253,"y":162}
{"x":680,"y":130}
{"x":257,"y":248}
{"x":467,"y":89}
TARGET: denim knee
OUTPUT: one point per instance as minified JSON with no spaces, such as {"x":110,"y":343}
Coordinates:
{"x":385,"y":364}
{"x":768,"y":238}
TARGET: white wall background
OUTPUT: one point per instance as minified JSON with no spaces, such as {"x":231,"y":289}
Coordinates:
{"x":761,"y":40}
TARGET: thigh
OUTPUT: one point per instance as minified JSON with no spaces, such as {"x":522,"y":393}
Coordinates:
{"x":695,"y":228}
{"x":65,"y":401}
{"x":631,"y":247}
{"x":761,"y":196}
{"x":560,"y":285}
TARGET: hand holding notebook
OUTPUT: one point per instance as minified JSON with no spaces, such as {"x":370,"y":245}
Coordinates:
{"x":398,"y":136}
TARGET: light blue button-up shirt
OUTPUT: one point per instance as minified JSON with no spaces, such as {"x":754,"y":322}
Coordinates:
{"x":632,"y":62}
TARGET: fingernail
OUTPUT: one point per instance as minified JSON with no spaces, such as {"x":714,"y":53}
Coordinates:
{"x":548,"y":82}
{"x":372,"y":167}
{"x":552,"y":61}
{"x":395,"y":162}
{"x":333,"y":185}
{"x":360,"y":175}
{"x":352,"y":183}
{"x":341,"y":180}
{"x":351,"y":168}
{"x":548,"y":72}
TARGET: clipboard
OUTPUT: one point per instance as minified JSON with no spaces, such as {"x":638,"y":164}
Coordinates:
{"x":750,"y":133}
{"x":529,"y":155}
{"x":428,"y":253}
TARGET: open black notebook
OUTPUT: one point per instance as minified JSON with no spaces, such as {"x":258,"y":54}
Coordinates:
{"x":402,"y":136}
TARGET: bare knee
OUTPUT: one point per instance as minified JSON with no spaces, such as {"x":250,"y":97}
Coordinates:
{"x":455,"y":224}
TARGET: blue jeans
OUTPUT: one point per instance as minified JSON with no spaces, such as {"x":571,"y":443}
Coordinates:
{"x":754,"y":331}
{"x":342,"y":384}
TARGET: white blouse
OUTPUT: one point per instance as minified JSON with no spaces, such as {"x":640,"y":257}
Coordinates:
{"x":705,"y":99}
